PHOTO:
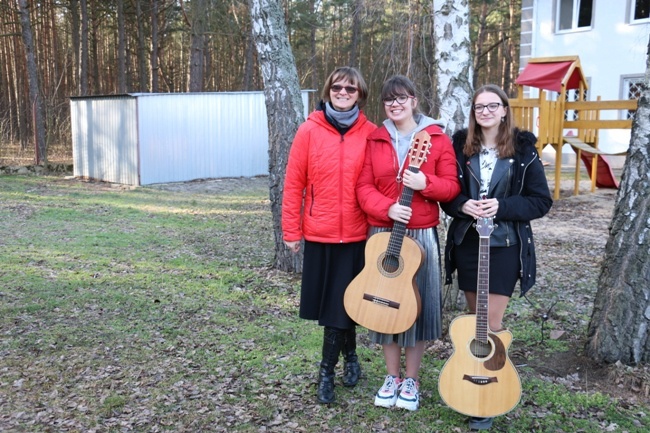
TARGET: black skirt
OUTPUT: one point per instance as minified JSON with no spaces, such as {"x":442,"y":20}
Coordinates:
{"x":504,"y":266}
{"x":327,"y":271}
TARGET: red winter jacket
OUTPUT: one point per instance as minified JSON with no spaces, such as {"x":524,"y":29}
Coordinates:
{"x":323,"y":169}
{"x":378,"y":189}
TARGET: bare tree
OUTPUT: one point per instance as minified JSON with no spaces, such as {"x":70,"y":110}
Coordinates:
{"x":284,"y":108}
{"x":121,"y":49}
{"x":75,"y":27}
{"x":619,"y":329}
{"x":154,"y":46}
{"x":197,"y":51}
{"x":356,"y":32}
{"x":454,"y":67}
{"x":84,"y":62}
{"x":35,"y":101}
{"x":142,"y":48}
{"x":480,"y":41}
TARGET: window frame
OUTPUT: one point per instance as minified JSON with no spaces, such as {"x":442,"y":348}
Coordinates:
{"x":626,"y":80}
{"x":574,"y":18}
{"x":631,"y":11}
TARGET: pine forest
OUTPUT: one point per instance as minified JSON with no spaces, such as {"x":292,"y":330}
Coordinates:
{"x":107,"y":47}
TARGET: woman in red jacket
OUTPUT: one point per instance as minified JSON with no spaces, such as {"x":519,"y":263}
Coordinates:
{"x":319,"y":206}
{"x":385,"y":173}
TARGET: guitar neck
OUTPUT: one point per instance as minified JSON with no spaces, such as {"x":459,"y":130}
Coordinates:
{"x":399,"y":228}
{"x":483,"y":290}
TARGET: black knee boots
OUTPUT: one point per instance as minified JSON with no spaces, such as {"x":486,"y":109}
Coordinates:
{"x":351,"y":367}
{"x":333,"y":339}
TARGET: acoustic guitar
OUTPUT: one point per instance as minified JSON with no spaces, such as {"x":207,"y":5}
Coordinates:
{"x":384,"y":297}
{"x":479,"y":379}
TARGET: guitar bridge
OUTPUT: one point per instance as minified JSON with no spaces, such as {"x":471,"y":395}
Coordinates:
{"x":381,"y":301}
{"x":480,"y":380}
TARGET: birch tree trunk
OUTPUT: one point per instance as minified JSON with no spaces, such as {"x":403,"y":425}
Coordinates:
{"x":35,"y":101}
{"x":454,"y":64}
{"x":283,"y":108}
{"x":619,"y":329}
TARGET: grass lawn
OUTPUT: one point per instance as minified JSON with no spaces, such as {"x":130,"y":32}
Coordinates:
{"x":155,"y":310}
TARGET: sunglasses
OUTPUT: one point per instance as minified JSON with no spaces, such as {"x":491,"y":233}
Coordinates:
{"x":349,"y":89}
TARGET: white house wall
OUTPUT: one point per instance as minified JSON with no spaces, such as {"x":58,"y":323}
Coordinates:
{"x":610,"y":50}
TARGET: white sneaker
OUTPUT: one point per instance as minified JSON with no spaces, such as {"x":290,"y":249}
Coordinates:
{"x":409,"y":397}
{"x":387,"y":394}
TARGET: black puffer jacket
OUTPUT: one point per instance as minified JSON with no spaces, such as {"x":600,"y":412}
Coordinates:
{"x":519,"y":183}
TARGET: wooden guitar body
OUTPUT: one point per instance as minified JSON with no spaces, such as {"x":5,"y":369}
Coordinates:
{"x":479,"y":380}
{"x":376,"y":298}
{"x":384,"y":296}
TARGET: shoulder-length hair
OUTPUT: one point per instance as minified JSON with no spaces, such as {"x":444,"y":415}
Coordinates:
{"x":505,"y":136}
{"x":353,"y":76}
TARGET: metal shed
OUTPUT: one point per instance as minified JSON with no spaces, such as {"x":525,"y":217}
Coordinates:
{"x":147,"y":138}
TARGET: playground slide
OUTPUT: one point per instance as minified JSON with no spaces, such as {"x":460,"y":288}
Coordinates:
{"x":604,"y":176}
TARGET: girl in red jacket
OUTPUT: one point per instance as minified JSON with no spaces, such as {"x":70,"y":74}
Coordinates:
{"x":384,"y":174}
{"x":319,"y":206}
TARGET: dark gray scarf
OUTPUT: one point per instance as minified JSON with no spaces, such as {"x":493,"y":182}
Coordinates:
{"x":344,"y":119}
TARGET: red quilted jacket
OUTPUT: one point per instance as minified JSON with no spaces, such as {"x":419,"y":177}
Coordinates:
{"x":378,"y":190}
{"x":319,"y":201}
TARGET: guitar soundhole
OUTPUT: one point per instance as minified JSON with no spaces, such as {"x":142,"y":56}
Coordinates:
{"x":390,"y":264}
{"x":479,"y":349}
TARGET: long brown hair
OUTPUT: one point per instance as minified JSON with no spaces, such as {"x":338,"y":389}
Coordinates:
{"x":505,"y":137}
{"x":353,"y":76}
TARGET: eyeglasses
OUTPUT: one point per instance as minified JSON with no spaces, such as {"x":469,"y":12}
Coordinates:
{"x":492,"y":107}
{"x":401,"y":100}
{"x":349,"y":89}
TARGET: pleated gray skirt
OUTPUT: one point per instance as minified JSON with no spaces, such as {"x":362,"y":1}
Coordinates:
{"x":428,"y":325}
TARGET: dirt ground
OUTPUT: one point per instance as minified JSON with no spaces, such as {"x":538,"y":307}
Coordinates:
{"x":570,"y":244}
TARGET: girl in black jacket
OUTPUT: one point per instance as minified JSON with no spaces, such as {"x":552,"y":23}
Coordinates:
{"x":501,"y":177}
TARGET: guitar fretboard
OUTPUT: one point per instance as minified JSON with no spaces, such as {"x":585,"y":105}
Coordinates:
{"x":399,"y":229}
{"x":483,"y":289}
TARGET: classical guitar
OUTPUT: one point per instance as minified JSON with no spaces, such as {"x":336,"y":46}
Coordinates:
{"x":384,"y":296}
{"x":479,"y":379}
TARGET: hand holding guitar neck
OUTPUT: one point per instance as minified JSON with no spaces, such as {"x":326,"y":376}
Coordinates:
{"x":416,"y":180}
{"x":400,"y":213}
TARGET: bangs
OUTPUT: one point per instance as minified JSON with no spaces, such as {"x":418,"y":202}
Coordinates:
{"x":391,"y":92}
{"x":397,"y":86}
{"x":342,"y":75}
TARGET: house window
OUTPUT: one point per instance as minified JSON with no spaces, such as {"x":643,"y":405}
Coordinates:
{"x":574,"y":14}
{"x":640,"y":10}
{"x":632,"y":88}
{"x":573,"y":95}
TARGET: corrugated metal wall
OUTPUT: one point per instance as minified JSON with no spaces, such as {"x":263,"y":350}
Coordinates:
{"x":105,"y":139}
{"x":142,"y":139}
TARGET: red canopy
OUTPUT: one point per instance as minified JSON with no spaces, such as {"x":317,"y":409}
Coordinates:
{"x":550,"y":75}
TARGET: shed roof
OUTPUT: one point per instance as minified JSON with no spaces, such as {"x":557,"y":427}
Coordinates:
{"x":553,"y":73}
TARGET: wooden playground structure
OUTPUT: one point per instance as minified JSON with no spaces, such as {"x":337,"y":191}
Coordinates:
{"x":554,"y":121}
